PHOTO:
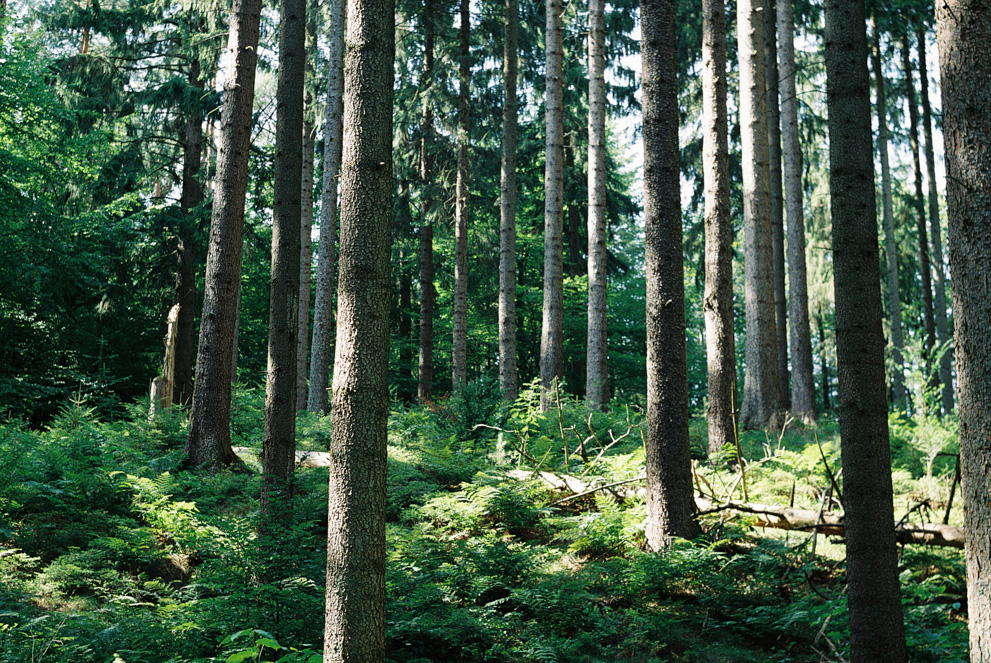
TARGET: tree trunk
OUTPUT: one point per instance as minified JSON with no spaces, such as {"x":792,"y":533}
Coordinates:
{"x":919,"y":203}
{"x":802,"y":385}
{"x":760,"y":384}
{"x":508,"y":378}
{"x":552,"y":327}
{"x":890,"y":245}
{"x":323,"y":306}
{"x":939,"y":285}
{"x":777,"y":199}
{"x":670,"y":506}
{"x":306,"y":209}
{"x":876,"y":628}
{"x":596,"y":393}
{"x":279,"y":443}
{"x":355,"y":617}
{"x":428,"y":294}
{"x":459,"y":348}
{"x":963,"y":28}
{"x":209,"y":440}
{"x":718,"y":303}
{"x":824,"y":365}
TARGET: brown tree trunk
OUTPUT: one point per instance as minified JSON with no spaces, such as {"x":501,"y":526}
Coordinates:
{"x":802,"y":384}
{"x":760,"y":385}
{"x":306,"y":209}
{"x":876,"y":628}
{"x":459,"y":348}
{"x":508,"y":378}
{"x":596,"y":364}
{"x":890,"y":245}
{"x":670,"y":506}
{"x":428,"y":294}
{"x":963,"y":28}
{"x":718,"y":303}
{"x":355,"y":618}
{"x":209,"y":440}
{"x":942,"y":329}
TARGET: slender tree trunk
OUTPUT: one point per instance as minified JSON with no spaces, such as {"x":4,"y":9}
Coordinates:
{"x":279,"y":443}
{"x":777,"y":199}
{"x":355,"y":618}
{"x":802,"y":385}
{"x":552,"y":328}
{"x":306,"y":209}
{"x":670,"y":506}
{"x":428,"y":294}
{"x":943,"y":334}
{"x":596,"y":364}
{"x":459,"y":350}
{"x":760,"y":385}
{"x":824,"y":365}
{"x":323,"y":306}
{"x":718,"y":303}
{"x":209,"y":440}
{"x":963,"y":28}
{"x":508,"y":379}
{"x":406,"y":394}
{"x":876,"y":628}
{"x":919,"y":201}
{"x":890,"y":246}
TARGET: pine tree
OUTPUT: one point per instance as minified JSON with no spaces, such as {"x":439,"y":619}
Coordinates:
{"x":459,"y":349}
{"x":508,"y":379}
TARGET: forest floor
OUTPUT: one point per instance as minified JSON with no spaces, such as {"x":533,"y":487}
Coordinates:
{"x":110,"y":554}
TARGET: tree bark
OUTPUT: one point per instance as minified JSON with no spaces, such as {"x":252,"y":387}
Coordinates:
{"x":939,"y":284}
{"x":718,"y":298}
{"x":306,"y":209}
{"x":552,"y":327}
{"x":802,"y":384}
{"x":279,"y":442}
{"x":890,"y":245}
{"x":459,"y":348}
{"x":876,"y":627}
{"x":963,"y":28}
{"x":508,"y":378}
{"x":760,"y":384}
{"x":209,"y":440}
{"x":355,"y":617}
{"x":428,"y":294}
{"x":596,"y":393}
{"x":323,"y":306}
{"x":670,"y":506}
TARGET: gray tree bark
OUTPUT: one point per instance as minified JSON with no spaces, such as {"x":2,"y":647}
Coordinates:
{"x":596,"y":364}
{"x":552,"y":326}
{"x":963,"y":29}
{"x":890,"y":245}
{"x":717,"y":305}
{"x":459,"y":349}
{"x":355,"y":618}
{"x":209,"y":441}
{"x":800,"y":337}
{"x":670,"y":506}
{"x":760,"y":384}
{"x":876,"y":628}
{"x":425,"y":380}
{"x":306,"y":209}
{"x":323,"y":305}
{"x":508,"y":379}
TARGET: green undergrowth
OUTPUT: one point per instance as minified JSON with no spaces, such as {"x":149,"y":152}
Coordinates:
{"x":110,"y":553}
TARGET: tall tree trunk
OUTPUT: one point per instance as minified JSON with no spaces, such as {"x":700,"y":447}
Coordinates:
{"x":963,"y":28}
{"x":919,"y":202}
{"x":802,"y":386}
{"x":670,"y":506}
{"x":508,"y":379}
{"x":890,"y":245}
{"x":406,"y":394}
{"x":279,"y":442}
{"x":942,"y":329}
{"x":552,"y":328}
{"x":777,"y":199}
{"x":323,"y":306}
{"x":718,"y":303}
{"x":459,"y":350}
{"x":209,"y":440}
{"x":355,"y":618}
{"x":596,"y":393}
{"x":306,"y":209}
{"x":760,"y":384}
{"x":876,"y":628}
{"x":428,"y":294}
{"x":823,"y":365}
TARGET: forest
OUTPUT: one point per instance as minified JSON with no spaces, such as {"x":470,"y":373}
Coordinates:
{"x":506,"y":331}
